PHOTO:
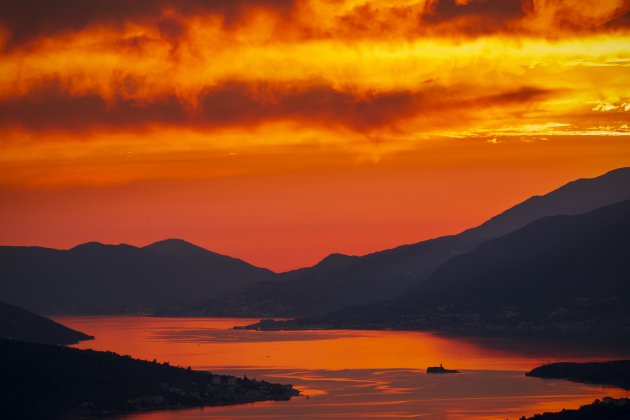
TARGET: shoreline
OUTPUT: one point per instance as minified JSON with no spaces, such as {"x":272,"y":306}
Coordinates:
{"x":67,"y":382}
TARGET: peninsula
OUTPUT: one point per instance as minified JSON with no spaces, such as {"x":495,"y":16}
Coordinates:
{"x":55,"y":382}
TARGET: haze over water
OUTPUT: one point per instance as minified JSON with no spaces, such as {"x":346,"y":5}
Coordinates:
{"x":352,"y":374}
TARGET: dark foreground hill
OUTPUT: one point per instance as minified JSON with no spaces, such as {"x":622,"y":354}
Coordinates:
{"x":561,"y":274}
{"x":97,"y":278}
{"x":606,"y":409}
{"x":613,"y":373}
{"x":52,"y":382}
{"x":20,"y":324}
{"x":340,"y":280}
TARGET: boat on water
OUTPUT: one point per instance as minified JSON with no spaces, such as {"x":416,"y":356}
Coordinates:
{"x":440,"y":369}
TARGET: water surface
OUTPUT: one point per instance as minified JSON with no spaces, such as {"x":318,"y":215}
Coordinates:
{"x":353,"y":374}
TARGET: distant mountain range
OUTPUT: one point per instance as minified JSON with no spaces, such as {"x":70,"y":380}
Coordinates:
{"x":559,"y":274}
{"x":340,"y":281}
{"x":174,"y":277}
{"x":576,"y":197}
{"x":21,"y":325}
{"x":97,"y":278}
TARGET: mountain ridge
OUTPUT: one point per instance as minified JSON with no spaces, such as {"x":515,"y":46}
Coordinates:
{"x":100,"y":278}
{"x":22,"y":325}
{"x":175,"y":277}
{"x":563,"y":274}
{"x":611,"y":187}
{"x":384,"y":274}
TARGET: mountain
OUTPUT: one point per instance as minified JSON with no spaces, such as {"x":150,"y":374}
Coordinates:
{"x":560,"y":274}
{"x":579,"y":196}
{"x":98,"y":278}
{"x":341,"y":280}
{"x":320,"y":289}
{"x":173,"y":275}
{"x":182,"y":249}
{"x":611,"y":373}
{"x":53,"y":382}
{"x":20,"y":324}
{"x":331,"y":262}
{"x":606,"y":409}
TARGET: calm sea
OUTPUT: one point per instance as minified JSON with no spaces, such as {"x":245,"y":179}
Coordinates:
{"x":354,"y":374}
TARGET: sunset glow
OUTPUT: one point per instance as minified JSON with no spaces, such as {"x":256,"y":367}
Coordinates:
{"x":280,"y":131}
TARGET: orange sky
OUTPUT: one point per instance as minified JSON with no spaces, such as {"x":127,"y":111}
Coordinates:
{"x":279,"y":131}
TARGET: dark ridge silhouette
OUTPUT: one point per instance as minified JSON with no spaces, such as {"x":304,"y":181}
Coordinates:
{"x":613,"y":373}
{"x":20,"y":324}
{"x":562,"y":256}
{"x":98,"y":278}
{"x":51,"y":382}
{"x":182,"y":249}
{"x":560,"y":274}
{"x":174,"y":277}
{"x":579,"y":196}
{"x":329,"y":263}
{"x":319,"y":289}
{"x":340,"y":281}
{"x":607,"y":408}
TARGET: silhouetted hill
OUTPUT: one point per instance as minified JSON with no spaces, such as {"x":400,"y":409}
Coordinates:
{"x":52,"y":382}
{"x":340,"y":281}
{"x":182,"y":249}
{"x":94,"y":278}
{"x":566,"y":274}
{"x":320,"y":290}
{"x":580,"y":255}
{"x":329,"y":263}
{"x":97,"y":278}
{"x":579,"y":196}
{"x":606,"y":409}
{"x":20,"y":324}
{"x":613,"y":373}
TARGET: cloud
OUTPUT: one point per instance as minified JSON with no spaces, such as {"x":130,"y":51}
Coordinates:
{"x":229,"y":104}
{"x":578,"y":15}
{"x":454,"y":18}
{"x":26,"y":20}
{"x":334,"y":66}
{"x":520,"y":95}
{"x":488,"y":10}
{"x":235,"y":104}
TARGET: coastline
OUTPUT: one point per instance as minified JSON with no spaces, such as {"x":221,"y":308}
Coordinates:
{"x":73,"y":383}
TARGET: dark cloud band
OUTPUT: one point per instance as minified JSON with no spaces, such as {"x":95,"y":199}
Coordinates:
{"x":26,"y":20}
{"x":241,"y":105}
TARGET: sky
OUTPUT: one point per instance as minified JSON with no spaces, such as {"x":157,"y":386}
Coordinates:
{"x":279,"y":131}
